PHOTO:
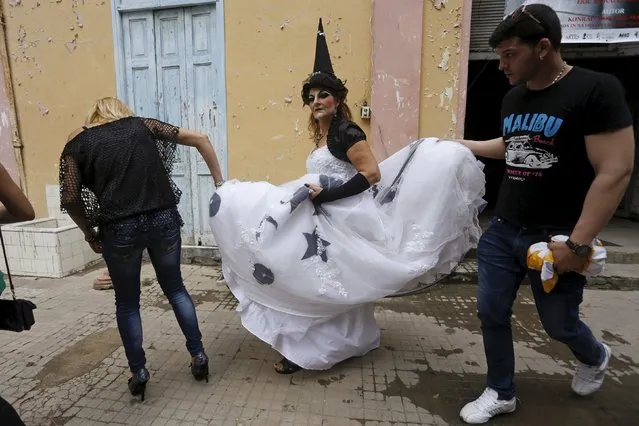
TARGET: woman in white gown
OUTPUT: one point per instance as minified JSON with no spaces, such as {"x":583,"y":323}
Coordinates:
{"x":308,"y":259}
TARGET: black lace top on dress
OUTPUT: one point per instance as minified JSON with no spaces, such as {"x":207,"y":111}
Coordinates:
{"x":119,"y":170}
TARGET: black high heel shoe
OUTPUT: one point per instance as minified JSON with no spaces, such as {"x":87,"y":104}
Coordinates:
{"x":137,"y":383}
{"x":286,"y":367}
{"x":200,"y":367}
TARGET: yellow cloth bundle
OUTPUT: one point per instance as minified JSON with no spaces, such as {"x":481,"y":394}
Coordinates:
{"x":540,"y":259}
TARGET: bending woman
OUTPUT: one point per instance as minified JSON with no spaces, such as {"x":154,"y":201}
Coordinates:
{"x":115,"y":174}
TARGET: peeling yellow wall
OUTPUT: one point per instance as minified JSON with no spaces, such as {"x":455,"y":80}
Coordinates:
{"x":61,"y":54}
{"x":269,"y":51}
{"x":441,"y":68}
{"x":270,"y":48}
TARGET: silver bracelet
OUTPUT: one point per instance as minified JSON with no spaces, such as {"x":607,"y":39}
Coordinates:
{"x":218,"y":184}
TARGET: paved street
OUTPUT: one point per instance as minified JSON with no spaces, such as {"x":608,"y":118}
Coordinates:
{"x":70,"y":368}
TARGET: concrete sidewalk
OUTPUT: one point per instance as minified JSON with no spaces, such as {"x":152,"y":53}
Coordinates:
{"x":70,"y":368}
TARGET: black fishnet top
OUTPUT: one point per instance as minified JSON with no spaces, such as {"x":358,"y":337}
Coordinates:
{"x":119,"y":170}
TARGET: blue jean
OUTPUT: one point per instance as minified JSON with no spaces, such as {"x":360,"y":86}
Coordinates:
{"x":122,"y":248}
{"x":501,"y":257}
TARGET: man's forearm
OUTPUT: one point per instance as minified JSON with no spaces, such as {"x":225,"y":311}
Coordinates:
{"x":601,"y":202}
{"x":494,"y":148}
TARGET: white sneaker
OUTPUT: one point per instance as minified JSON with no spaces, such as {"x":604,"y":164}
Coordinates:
{"x":588,"y":378}
{"x":486,"y":407}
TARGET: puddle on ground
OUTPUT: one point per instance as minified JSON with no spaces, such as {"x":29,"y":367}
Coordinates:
{"x":615,"y":338}
{"x":334,"y":379}
{"x":542,"y":399}
{"x":454,"y":307}
{"x":198,"y":296}
{"x":446,"y":352}
{"x":79,"y":358}
{"x":623,"y":364}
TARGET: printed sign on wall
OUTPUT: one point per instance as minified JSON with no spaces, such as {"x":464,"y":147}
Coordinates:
{"x":592,"y":21}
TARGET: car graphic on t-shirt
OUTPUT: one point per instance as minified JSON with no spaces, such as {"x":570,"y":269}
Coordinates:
{"x":520,"y":153}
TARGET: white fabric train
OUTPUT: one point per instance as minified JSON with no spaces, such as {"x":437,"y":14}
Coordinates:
{"x":305,"y":277}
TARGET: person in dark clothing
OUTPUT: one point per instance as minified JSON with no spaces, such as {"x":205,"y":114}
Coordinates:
{"x":568,"y":142}
{"x":15,"y":207}
{"x":115,"y":174}
{"x":9,"y":415}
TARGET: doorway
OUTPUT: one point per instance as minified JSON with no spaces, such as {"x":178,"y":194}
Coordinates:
{"x":486,"y":88}
{"x":171,"y":70}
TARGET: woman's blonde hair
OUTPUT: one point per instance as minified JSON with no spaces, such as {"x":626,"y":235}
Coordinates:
{"x":106,"y":110}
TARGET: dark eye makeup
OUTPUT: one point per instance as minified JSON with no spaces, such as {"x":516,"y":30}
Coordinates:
{"x":321,"y":95}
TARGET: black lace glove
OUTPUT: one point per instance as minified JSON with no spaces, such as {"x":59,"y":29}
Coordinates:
{"x":355,"y":185}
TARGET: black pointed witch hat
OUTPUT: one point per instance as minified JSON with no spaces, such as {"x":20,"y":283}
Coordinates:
{"x":322,"y":57}
{"x":323,"y":75}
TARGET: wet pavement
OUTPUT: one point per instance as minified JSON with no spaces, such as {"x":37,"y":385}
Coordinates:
{"x":70,"y":368}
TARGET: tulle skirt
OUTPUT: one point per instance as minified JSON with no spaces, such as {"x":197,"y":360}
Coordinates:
{"x":306,"y":276}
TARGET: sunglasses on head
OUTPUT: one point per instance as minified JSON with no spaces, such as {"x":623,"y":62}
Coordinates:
{"x":521,"y":10}
{"x":321,"y":95}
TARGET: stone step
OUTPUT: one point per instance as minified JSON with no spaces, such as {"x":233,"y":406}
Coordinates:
{"x":616,"y":276}
{"x":623,"y":255}
{"x":616,"y":255}
{"x":201,"y":255}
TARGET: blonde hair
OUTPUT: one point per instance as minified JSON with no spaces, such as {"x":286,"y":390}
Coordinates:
{"x":106,"y":110}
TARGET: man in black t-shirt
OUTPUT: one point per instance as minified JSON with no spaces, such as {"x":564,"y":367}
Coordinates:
{"x":568,"y":142}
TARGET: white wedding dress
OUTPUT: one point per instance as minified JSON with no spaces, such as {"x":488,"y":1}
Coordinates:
{"x":306,"y":277}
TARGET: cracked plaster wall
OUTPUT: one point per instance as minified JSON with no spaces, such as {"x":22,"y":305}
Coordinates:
{"x":61,"y":54}
{"x":444,"y":67}
{"x":270,"y":49}
{"x":266,"y":124}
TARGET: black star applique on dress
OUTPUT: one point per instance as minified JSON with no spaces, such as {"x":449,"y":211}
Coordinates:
{"x":313,"y":240}
{"x":390,"y":193}
{"x":272,"y":221}
{"x":389,"y":196}
{"x":326,"y":182}
{"x":375,"y":190}
{"x":214,"y":204}
{"x":318,"y":210}
{"x":268,"y":219}
{"x":263,"y":275}
{"x":299,"y":196}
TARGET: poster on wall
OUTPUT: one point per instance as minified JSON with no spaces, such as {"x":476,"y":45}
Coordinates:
{"x":593,"y":21}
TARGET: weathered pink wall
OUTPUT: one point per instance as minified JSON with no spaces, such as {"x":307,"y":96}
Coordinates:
{"x":397,"y":53}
